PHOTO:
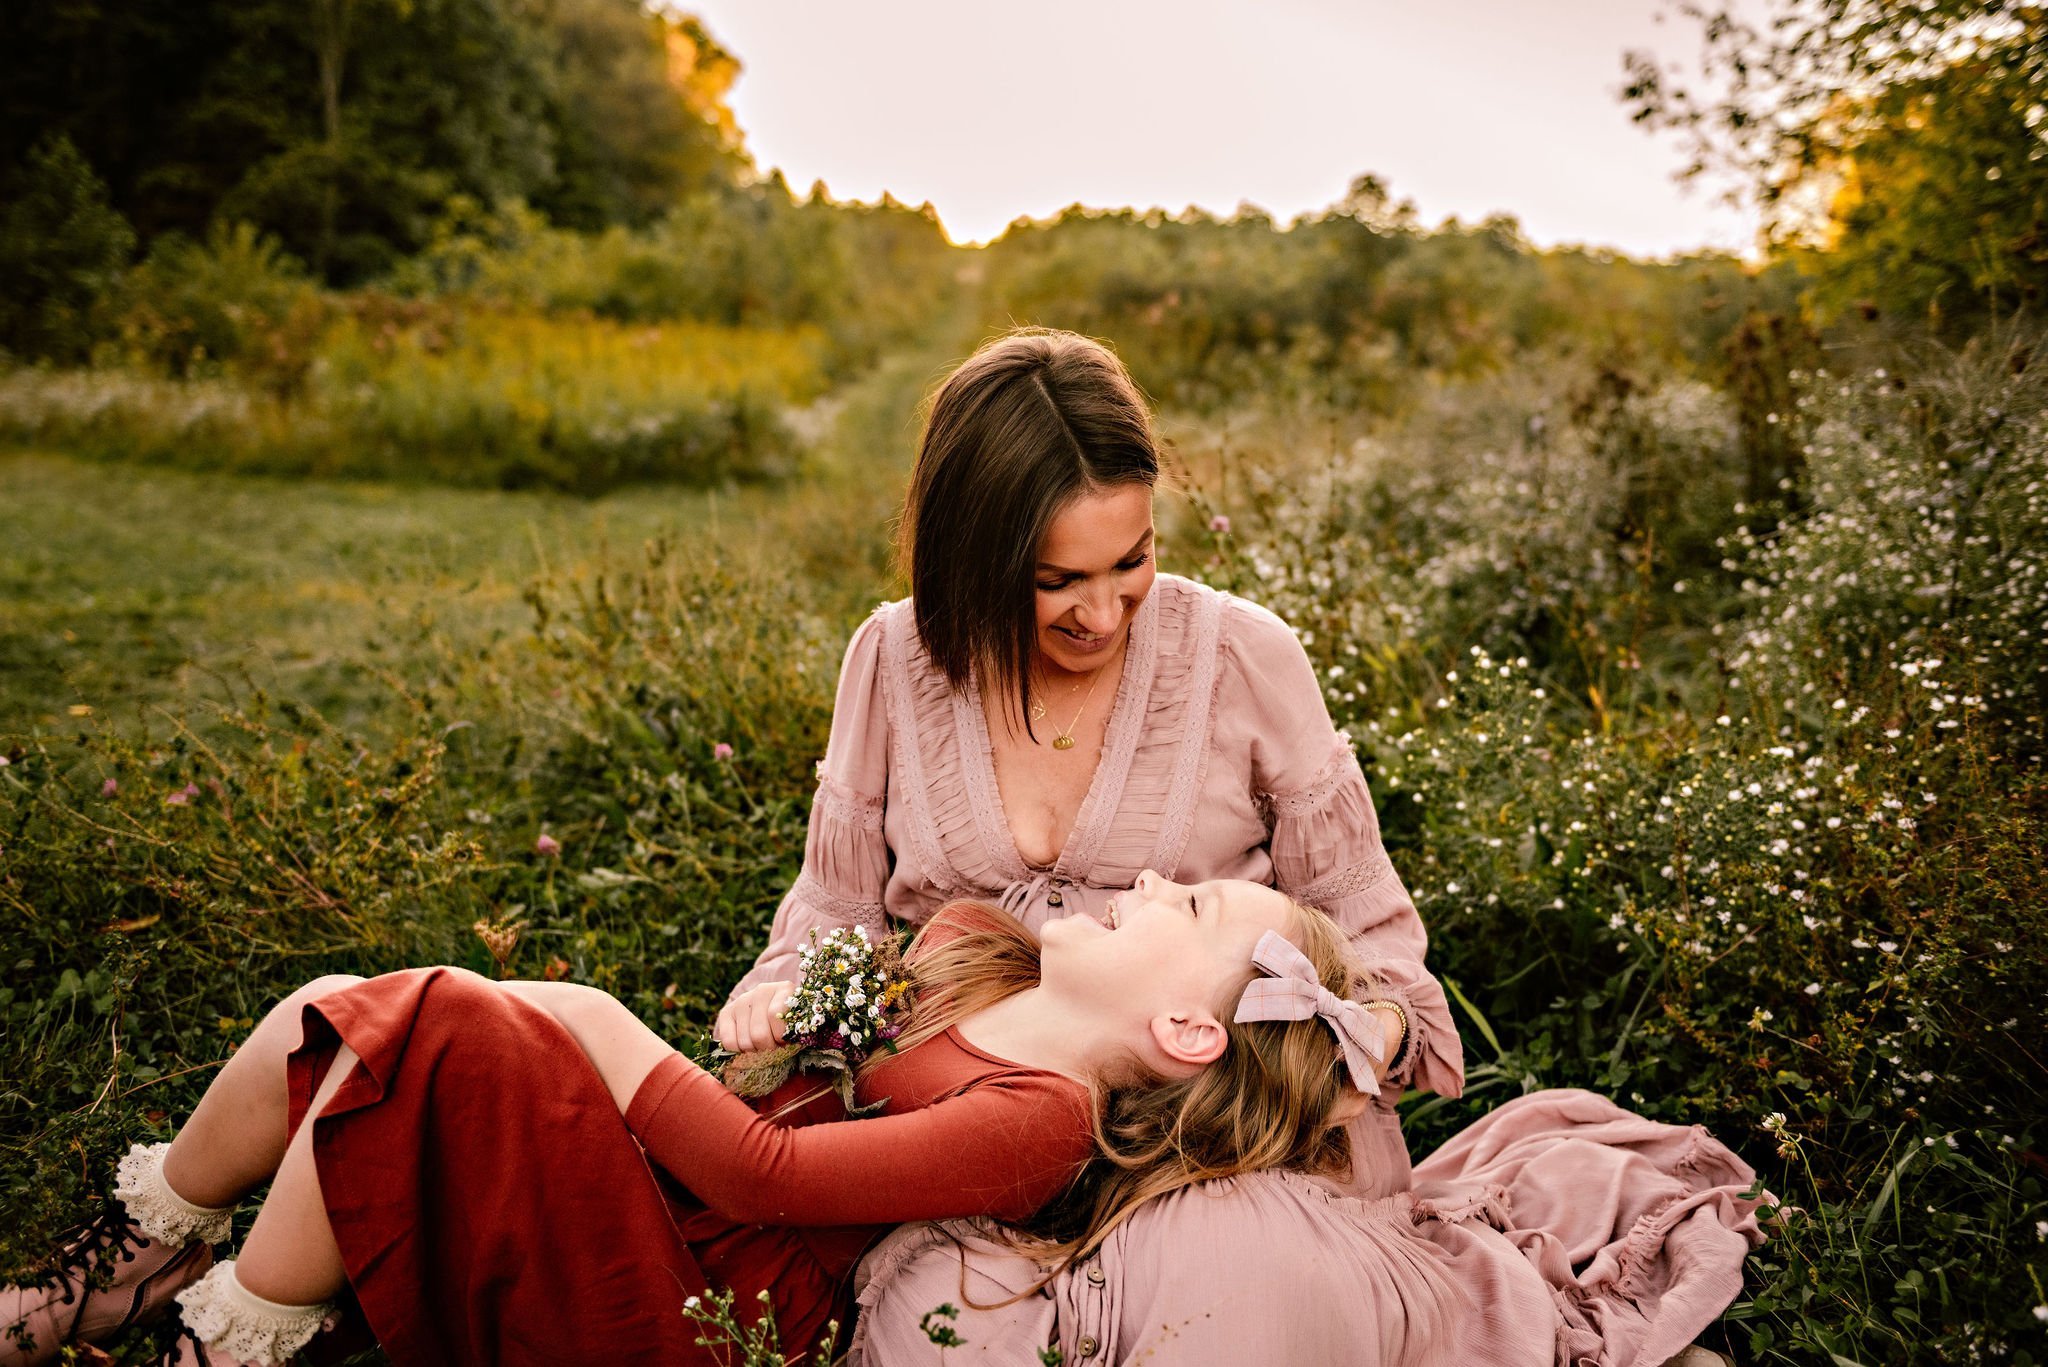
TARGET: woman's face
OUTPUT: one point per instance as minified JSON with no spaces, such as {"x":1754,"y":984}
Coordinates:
{"x":1164,"y":947}
{"x":1094,"y":569}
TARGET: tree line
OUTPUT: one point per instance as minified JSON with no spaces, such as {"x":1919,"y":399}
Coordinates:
{"x":581,"y":154}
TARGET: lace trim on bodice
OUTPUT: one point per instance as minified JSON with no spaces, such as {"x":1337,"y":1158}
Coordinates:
{"x":1139,"y":809}
{"x":1204,"y":674}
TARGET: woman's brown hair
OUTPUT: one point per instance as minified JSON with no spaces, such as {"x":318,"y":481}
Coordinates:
{"x":1028,"y":422}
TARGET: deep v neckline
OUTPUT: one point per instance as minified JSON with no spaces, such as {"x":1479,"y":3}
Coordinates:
{"x":1105,"y":787}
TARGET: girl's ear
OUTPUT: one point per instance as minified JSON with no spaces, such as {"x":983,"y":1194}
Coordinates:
{"x":1196,"y":1039}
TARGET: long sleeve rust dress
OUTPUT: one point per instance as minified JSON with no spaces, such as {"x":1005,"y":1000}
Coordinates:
{"x":492,"y":1205}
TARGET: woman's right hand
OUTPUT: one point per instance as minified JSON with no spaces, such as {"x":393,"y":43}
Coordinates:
{"x":753,"y":1018}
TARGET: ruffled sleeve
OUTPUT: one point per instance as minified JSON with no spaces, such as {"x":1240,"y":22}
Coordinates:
{"x":1325,"y":838}
{"x":846,"y":858}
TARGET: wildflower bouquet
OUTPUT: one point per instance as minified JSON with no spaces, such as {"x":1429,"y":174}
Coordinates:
{"x":851,"y":1001}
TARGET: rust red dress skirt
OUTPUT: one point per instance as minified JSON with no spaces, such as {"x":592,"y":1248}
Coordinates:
{"x":488,"y":1200}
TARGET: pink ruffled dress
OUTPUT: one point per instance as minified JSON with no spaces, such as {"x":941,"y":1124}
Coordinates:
{"x":1220,"y":761}
{"x":1557,"y":1231}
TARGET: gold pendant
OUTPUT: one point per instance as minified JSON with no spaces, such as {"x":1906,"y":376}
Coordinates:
{"x":1062,"y":742}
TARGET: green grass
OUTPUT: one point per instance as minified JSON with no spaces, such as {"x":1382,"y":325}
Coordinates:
{"x":336,"y":717}
{"x":132,"y":589}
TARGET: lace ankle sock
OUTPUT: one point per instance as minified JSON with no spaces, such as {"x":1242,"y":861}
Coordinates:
{"x":225,"y":1315}
{"x":161,"y":1213}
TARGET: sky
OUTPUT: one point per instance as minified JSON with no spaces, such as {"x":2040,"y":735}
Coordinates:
{"x":994,"y":110}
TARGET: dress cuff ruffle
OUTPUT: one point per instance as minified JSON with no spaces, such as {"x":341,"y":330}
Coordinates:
{"x":1432,"y":1058}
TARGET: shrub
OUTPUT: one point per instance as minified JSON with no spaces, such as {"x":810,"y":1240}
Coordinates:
{"x":237,"y":301}
{"x":1793,"y":888}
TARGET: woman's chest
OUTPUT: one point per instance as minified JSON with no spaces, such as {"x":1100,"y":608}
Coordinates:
{"x":1044,"y":786}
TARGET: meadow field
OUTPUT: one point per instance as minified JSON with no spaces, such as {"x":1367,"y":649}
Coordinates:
{"x":1730,"y":813}
{"x":429,"y":533}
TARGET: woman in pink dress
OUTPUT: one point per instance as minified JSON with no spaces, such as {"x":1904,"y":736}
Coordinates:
{"x":1044,"y":716}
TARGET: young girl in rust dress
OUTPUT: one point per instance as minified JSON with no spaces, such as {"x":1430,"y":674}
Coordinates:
{"x":453,"y":1152}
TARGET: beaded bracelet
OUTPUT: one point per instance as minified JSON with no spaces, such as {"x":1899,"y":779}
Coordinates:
{"x":1402,"y":1013}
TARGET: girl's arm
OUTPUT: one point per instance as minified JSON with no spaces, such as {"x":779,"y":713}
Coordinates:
{"x":1002,"y":1148}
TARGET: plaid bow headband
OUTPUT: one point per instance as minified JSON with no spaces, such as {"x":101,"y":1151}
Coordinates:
{"x":1292,"y":991}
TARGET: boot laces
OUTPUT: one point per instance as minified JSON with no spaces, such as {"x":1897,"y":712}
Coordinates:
{"x":110,"y":1234}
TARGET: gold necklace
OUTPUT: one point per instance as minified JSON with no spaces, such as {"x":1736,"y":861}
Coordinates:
{"x":1064,"y":740}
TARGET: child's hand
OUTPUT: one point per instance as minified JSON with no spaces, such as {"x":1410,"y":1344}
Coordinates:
{"x":753,"y":1019}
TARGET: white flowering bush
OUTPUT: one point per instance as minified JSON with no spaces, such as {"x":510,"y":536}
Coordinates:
{"x":1921,"y":565}
{"x":1543,"y":538}
{"x":1754,"y":842}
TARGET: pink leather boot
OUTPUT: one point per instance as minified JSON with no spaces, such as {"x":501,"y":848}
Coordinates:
{"x":65,"y":1307}
{"x":116,"y":1271}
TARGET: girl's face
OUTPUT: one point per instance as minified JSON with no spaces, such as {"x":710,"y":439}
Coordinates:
{"x":1094,"y":569}
{"x":1166,"y":950}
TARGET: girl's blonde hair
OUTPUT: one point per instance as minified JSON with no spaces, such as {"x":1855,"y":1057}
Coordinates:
{"x":1265,"y":1103}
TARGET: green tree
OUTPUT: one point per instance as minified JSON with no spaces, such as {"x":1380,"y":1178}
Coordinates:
{"x":1903,"y":144}
{"x":1941,"y":205}
{"x":117,"y":78}
{"x":366,"y":116}
{"x":637,"y":105}
{"x":62,"y":246}
{"x":344,"y":128}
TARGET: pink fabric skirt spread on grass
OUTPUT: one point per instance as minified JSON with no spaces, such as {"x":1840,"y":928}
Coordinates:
{"x":1558,"y":1230}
